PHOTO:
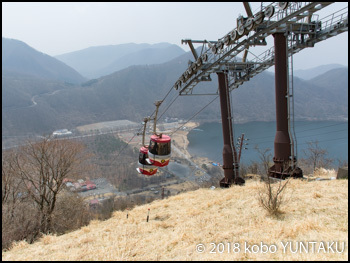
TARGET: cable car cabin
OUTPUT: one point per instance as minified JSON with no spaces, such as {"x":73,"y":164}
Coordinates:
{"x":145,"y":166}
{"x":159,"y":150}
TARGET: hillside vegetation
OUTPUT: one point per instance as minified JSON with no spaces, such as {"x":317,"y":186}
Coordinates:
{"x":19,"y":58}
{"x":317,"y":211}
{"x":36,"y":101}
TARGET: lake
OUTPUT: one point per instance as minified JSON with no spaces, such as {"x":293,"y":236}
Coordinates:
{"x":207,"y":141}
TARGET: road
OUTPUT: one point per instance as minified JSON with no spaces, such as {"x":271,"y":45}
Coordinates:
{"x":48,"y":94}
{"x":34,"y":103}
{"x":192,"y":177}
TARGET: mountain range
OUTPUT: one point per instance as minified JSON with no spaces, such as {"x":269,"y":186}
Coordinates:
{"x":311,"y":73}
{"x":20,"y":59}
{"x":99,"y":61}
{"x":40,"y":105}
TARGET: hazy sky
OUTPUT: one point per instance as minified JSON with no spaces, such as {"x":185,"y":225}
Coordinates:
{"x":58,"y":28}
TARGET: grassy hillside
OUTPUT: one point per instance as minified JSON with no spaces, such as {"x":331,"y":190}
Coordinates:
{"x":316,"y":211}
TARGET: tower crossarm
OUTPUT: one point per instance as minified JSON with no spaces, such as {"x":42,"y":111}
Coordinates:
{"x":297,"y":19}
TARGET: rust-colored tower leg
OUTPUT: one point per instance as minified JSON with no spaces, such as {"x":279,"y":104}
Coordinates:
{"x":231,"y":171}
{"x":282,"y":145}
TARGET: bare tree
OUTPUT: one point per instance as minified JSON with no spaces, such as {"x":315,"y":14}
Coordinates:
{"x":42,"y":166}
{"x":316,"y":155}
{"x":342,"y":163}
{"x":18,"y":217}
{"x":10,"y":183}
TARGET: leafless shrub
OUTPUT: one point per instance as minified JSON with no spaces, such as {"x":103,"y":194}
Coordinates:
{"x":265,"y":159}
{"x":21,"y":224}
{"x":253,"y":168}
{"x":71,"y":213}
{"x":272,"y":195}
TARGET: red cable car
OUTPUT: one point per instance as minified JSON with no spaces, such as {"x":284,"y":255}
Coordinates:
{"x":145,"y":166}
{"x":159,"y":150}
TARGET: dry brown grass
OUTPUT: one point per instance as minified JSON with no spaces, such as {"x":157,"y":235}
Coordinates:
{"x":317,"y":211}
{"x":322,"y":174}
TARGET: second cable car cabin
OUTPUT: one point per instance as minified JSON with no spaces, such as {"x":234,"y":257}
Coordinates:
{"x":145,"y":166}
{"x":159,"y":150}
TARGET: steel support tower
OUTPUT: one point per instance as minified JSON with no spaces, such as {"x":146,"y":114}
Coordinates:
{"x":229,"y":153}
{"x":283,"y":161}
{"x":296,"y":21}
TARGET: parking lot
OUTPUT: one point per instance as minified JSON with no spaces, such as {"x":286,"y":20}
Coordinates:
{"x":103,"y":190}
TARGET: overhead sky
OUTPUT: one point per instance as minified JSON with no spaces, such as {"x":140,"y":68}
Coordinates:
{"x":58,"y":28}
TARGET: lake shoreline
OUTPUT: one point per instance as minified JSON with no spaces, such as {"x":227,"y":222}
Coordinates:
{"x":207,"y":141}
{"x":180,"y":140}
